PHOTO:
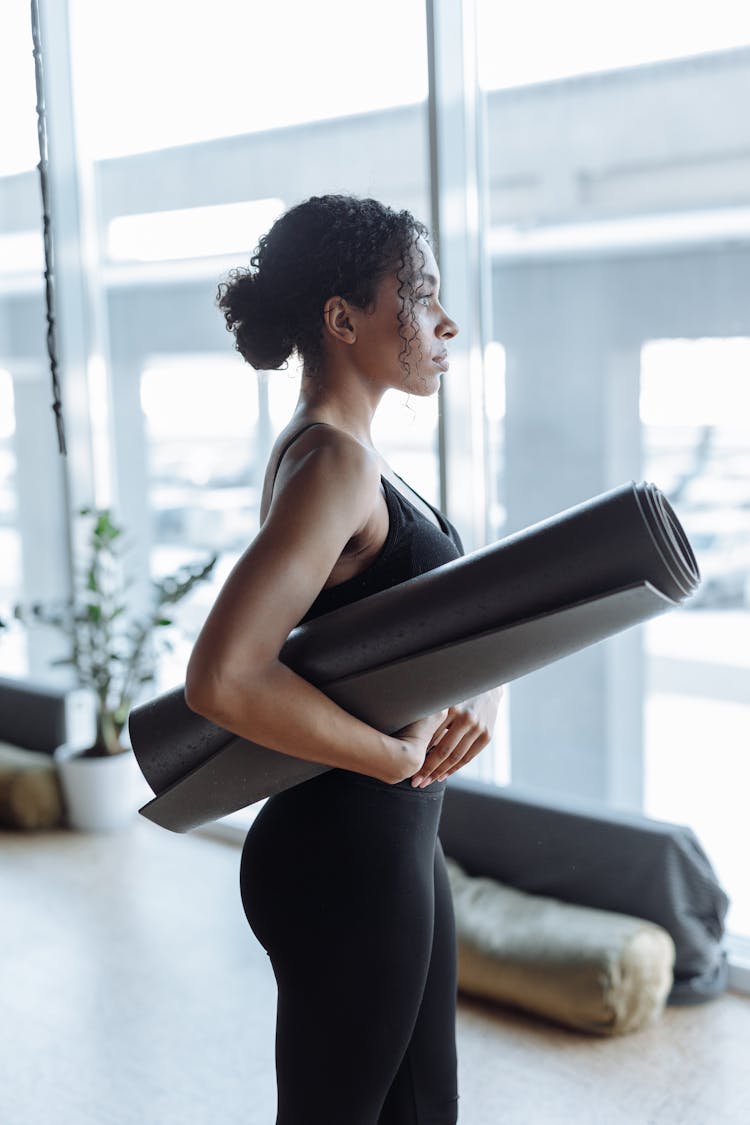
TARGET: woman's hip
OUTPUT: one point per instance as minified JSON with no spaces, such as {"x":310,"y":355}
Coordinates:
{"x":338,"y":847}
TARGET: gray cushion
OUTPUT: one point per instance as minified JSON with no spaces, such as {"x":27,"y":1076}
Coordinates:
{"x":32,"y":716}
{"x":598,"y":857}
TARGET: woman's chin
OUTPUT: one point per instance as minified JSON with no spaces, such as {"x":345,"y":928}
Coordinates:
{"x":423,"y":386}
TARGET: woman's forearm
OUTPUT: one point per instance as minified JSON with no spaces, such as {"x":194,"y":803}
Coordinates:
{"x":275,"y":707}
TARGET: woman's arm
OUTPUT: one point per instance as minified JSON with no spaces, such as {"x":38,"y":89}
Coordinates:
{"x":326,"y":494}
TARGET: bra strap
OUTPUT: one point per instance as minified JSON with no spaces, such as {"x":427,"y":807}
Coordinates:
{"x":290,"y":443}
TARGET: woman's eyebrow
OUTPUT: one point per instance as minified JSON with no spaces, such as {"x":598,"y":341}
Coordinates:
{"x":430,"y":279}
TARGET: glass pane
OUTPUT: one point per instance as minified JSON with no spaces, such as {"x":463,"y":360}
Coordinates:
{"x":29,"y":463}
{"x":695,"y":408}
{"x":405,"y":432}
{"x":262,"y":67}
{"x":201,"y":425}
{"x":616,"y":183}
{"x":513,"y":53}
{"x":19,"y":150}
{"x":185,"y":177}
{"x":13,"y":651}
{"x":494,"y":413}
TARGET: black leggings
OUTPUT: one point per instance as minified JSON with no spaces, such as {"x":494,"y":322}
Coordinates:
{"x":344,"y":884}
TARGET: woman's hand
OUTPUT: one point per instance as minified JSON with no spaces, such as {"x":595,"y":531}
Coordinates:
{"x":415,"y":740}
{"x":466,"y":731}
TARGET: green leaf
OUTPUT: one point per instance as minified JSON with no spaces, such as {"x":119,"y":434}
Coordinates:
{"x":110,"y":657}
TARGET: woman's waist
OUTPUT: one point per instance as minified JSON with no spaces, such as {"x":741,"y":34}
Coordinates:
{"x":433,"y":790}
{"x":338,"y":778}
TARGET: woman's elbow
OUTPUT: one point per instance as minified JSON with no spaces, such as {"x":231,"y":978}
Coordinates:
{"x":196,"y":696}
{"x":202,"y":688}
{"x":215,"y":692}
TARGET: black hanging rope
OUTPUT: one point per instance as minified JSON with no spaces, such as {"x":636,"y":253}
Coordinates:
{"x":49,"y":261}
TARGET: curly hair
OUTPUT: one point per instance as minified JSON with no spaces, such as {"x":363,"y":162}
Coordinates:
{"x":330,"y":245}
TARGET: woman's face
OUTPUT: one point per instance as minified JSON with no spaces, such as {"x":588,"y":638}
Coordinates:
{"x":404,"y":339}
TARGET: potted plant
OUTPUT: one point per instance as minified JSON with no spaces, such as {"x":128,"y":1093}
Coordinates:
{"x":113,"y":653}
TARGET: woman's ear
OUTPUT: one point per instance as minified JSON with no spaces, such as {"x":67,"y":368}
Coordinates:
{"x":338,"y":320}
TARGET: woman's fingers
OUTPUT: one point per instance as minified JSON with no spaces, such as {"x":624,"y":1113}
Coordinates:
{"x":465,"y":733}
{"x":477,"y":748}
{"x":456,"y":764}
{"x":446,"y":741}
{"x":457,"y":755}
{"x":461,"y":736}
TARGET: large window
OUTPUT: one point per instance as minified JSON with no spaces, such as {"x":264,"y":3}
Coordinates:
{"x":182,"y":178}
{"x":176,"y":181}
{"x":616,"y":178}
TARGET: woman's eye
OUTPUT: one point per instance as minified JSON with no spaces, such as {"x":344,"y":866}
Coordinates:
{"x":425,"y":298}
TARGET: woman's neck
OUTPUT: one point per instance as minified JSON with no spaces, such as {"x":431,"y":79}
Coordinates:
{"x":347,"y":404}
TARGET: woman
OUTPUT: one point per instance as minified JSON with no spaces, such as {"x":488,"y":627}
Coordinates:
{"x":343,"y":878}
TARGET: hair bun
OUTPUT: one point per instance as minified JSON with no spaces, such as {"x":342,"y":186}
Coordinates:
{"x":252,"y":317}
{"x":327,"y":246}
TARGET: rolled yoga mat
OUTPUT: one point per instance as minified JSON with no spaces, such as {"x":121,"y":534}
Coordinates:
{"x":433,"y":641}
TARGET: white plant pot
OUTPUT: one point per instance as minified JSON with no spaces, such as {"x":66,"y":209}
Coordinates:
{"x":100,"y":793}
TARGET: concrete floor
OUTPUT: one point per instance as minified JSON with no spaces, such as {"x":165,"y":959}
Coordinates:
{"x":132,"y":991}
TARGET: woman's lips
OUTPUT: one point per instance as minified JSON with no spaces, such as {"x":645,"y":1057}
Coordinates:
{"x":441,"y":361}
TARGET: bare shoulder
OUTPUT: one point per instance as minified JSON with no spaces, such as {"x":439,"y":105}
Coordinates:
{"x":325,"y":492}
{"x":320,"y":460}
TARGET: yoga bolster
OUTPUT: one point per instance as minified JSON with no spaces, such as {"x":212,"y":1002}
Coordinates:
{"x":592,"y":970}
{"x":511,"y":607}
{"x":30,"y":795}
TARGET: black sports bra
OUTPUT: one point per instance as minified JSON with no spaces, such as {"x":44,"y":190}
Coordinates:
{"x":412,"y":546}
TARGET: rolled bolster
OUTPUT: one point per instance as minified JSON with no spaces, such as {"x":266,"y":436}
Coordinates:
{"x":30,"y":795}
{"x":593,"y":970}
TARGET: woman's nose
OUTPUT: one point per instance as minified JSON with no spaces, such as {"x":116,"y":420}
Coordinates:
{"x":447,"y":328}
